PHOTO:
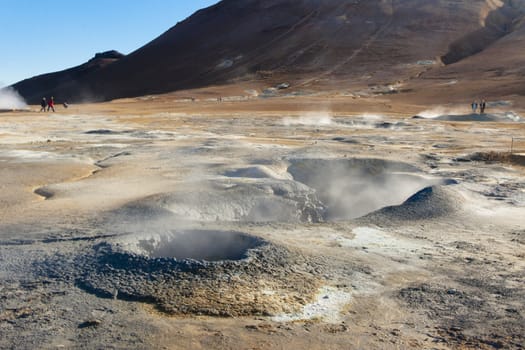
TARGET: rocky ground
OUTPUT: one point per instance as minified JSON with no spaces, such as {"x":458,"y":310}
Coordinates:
{"x":365,"y":224}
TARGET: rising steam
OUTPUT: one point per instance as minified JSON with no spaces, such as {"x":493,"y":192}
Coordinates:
{"x":440,"y":111}
{"x":352,"y":188}
{"x":310,"y":119}
{"x":10,"y":99}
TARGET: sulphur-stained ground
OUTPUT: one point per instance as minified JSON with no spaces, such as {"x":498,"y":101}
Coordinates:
{"x":319,"y":222}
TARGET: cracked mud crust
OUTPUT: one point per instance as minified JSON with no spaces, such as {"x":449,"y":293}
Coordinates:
{"x":270,"y":281}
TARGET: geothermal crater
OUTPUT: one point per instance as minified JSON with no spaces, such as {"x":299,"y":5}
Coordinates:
{"x":351,"y":188}
{"x":217,"y":273}
{"x":166,"y":255}
{"x":307,"y":190}
{"x":196,"y":245}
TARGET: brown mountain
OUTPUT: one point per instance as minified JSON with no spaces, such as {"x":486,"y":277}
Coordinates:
{"x":310,"y":44}
{"x":55,"y":83}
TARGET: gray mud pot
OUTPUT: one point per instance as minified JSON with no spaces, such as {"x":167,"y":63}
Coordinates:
{"x":199,"y":272}
{"x":353,"y":188}
{"x":197,"y":245}
{"x":260,"y":200}
{"x":310,"y":191}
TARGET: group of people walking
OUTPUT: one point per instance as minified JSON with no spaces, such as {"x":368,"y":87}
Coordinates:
{"x":482,"y":105}
{"x":49,"y":104}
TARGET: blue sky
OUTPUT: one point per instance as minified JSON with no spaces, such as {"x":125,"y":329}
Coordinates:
{"x":44,"y":36}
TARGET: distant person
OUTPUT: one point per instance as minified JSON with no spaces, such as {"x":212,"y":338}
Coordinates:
{"x":43,"y":104}
{"x":482,"y":106}
{"x":51,"y":104}
{"x":474,"y":107}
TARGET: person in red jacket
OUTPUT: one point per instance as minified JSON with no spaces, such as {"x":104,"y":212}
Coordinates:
{"x":51,"y":104}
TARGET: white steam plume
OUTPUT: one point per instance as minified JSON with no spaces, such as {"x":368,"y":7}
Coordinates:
{"x":373,"y":117}
{"x":440,"y":111}
{"x":310,"y":119}
{"x":10,"y":99}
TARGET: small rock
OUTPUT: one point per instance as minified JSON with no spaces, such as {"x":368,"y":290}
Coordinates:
{"x":90,"y":323}
{"x":395,"y":332}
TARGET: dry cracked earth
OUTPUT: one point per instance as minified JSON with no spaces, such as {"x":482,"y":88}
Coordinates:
{"x":253,"y":230}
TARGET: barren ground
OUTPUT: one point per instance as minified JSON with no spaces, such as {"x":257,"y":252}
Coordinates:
{"x":348,"y":224}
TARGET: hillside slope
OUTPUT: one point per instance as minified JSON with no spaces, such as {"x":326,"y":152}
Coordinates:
{"x":305,"y":42}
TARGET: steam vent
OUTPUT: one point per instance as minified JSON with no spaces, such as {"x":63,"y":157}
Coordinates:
{"x":199,"y":272}
{"x":223,"y":272}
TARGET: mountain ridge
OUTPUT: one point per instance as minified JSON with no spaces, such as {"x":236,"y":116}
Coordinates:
{"x":301,"y":41}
